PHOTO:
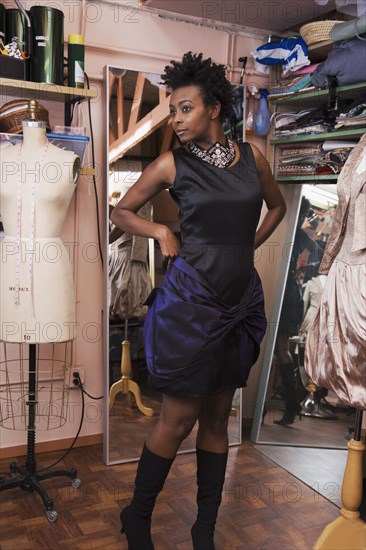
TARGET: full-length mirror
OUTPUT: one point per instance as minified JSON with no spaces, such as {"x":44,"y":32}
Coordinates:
{"x":138,"y":129}
{"x":293,"y":410}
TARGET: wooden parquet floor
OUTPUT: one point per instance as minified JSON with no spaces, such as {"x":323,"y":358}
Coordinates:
{"x":264,"y":507}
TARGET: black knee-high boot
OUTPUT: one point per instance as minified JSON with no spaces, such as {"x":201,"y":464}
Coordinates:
{"x":211,"y":468}
{"x":136,"y":518}
{"x":292,"y":406}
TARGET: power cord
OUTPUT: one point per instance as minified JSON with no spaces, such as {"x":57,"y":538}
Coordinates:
{"x":94,"y":179}
{"x":93,"y":162}
{"x":75,"y":438}
{"x":76,"y":380}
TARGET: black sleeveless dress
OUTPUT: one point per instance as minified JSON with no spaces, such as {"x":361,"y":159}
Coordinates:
{"x":219,"y":214}
{"x":219,"y":210}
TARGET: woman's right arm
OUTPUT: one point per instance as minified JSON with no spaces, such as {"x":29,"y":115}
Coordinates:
{"x":157,"y":176}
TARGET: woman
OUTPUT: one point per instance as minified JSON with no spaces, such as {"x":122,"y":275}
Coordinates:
{"x":203,"y":330}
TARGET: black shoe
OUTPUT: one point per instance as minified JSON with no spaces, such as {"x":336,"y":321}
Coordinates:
{"x":289,"y":416}
{"x":151,"y":473}
{"x":211,"y":468}
{"x":136,"y":529}
{"x":203,"y":536}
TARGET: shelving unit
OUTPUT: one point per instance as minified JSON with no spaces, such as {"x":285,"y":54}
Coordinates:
{"x":319,"y":52}
{"x":311,"y":98}
{"x":39,"y":90}
{"x":307,"y":178}
{"x":24,"y":89}
{"x":337,"y":134}
{"x":308,"y":96}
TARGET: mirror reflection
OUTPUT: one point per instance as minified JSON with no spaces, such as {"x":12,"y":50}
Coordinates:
{"x":296,"y":411}
{"x":138,"y":130}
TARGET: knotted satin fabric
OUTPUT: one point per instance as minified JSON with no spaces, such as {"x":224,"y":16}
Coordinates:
{"x":188,"y":320}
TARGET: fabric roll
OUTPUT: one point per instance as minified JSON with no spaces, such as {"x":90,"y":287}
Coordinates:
{"x":348,"y":29}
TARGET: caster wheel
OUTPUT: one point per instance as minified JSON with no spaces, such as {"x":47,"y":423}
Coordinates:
{"x":51,"y":516}
{"x":76,"y":482}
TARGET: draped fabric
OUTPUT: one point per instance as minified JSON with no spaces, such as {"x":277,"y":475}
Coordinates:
{"x":335,"y":355}
{"x":188,"y":322}
{"x":129,"y":282}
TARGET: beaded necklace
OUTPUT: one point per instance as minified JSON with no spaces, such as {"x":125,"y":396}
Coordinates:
{"x":19,"y":222}
{"x":217,"y":155}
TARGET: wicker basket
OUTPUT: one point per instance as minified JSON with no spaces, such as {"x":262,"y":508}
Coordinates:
{"x":317,"y":31}
{"x":13,"y":113}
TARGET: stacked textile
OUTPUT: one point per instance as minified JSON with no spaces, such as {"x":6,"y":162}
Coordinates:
{"x":354,"y":116}
{"x":313,"y":158}
{"x":291,"y":85}
{"x":313,"y":121}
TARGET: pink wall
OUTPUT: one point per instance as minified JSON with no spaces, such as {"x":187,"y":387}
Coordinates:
{"x":130,"y":39}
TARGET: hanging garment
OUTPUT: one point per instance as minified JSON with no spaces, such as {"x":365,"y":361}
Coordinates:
{"x":311,"y":298}
{"x":128,"y":275}
{"x":335,"y":355}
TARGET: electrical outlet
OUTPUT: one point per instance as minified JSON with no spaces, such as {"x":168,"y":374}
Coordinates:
{"x":70,"y":376}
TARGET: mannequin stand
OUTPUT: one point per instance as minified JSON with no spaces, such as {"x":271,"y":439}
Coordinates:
{"x":26,"y":477}
{"x":311,"y":406}
{"x":348,"y":530}
{"x":126,"y":385}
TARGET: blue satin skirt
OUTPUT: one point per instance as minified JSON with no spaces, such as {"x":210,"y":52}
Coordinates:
{"x":196,"y":344}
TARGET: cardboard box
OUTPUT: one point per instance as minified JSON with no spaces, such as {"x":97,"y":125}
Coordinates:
{"x":12,"y":68}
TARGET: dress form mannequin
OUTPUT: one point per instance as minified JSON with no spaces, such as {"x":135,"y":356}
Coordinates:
{"x":37,"y":292}
{"x":335,"y":348}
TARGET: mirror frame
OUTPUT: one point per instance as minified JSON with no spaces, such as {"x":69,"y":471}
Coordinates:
{"x":299,"y":192}
{"x":105,"y":312}
{"x":273,"y":322}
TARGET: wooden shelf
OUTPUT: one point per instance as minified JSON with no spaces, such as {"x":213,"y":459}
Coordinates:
{"x":315,"y":179}
{"x":319,"y":52}
{"x":39,"y":90}
{"x":309,"y":96}
{"x":356,"y":133}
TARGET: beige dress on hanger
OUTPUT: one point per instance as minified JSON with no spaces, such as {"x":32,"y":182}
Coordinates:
{"x":312,"y":297}
{"x":129,"y":278}
{"x":335,"y":355}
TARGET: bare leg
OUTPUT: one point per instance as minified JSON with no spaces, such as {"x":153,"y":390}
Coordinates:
{"x":213,"y":421}
{"x":178,"y":416}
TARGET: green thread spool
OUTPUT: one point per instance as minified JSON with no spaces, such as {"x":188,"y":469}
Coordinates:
{"x":75,"y":78}
{"x":47,"y":60}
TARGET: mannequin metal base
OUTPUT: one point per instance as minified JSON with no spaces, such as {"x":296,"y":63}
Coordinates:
{"x":313,"y":408}
{"x":29,"y":481}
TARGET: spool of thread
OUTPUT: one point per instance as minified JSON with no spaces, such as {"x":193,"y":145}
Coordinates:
{"x":76,"y":54}
{"x":47,"y":60}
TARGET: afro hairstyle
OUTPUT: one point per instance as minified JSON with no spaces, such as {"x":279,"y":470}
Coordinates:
{"x":209,"y":76}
